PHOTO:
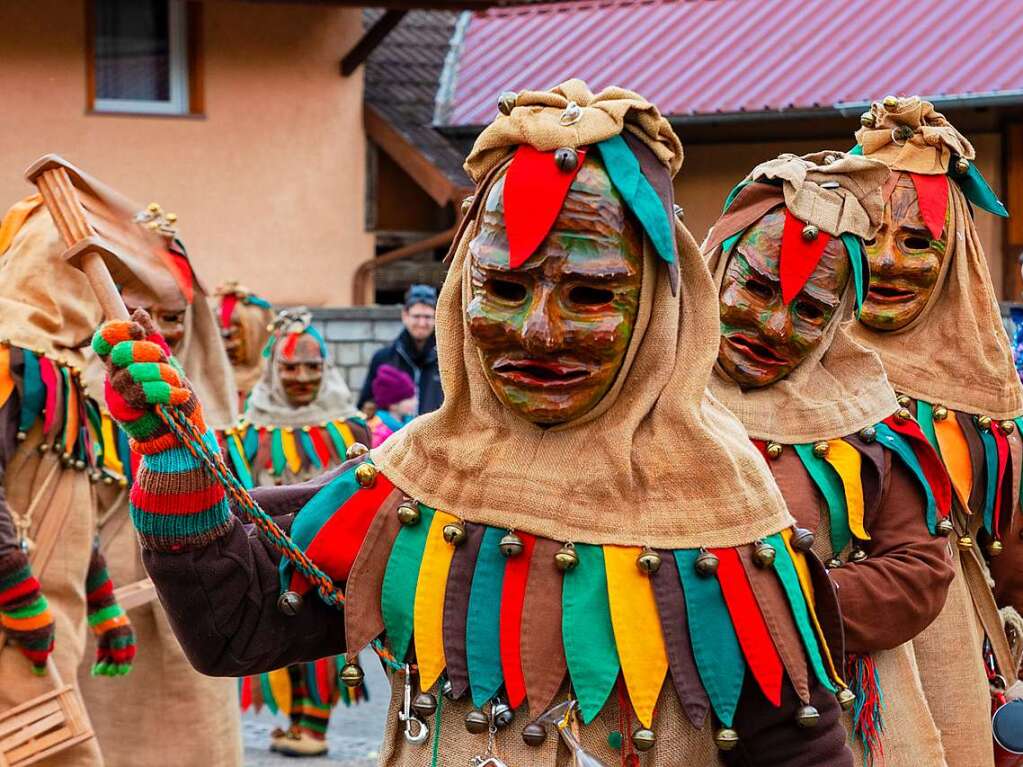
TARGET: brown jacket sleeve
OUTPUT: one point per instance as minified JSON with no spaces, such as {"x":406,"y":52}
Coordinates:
{"x":896,"y":592}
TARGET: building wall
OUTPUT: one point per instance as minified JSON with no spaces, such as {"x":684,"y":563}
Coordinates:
{"x":268,"y":184}
{"x":354,"y":334}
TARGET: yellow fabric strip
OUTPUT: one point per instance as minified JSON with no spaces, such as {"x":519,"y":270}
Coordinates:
{"x":428,"y":613}
{"x":241,"y":450}
{"x":637,"y":629}
{"x":803,"y":571}
{"x":71,"y":422}
{"x":110,"y":459}
{"x":6,"y":379}
{"x":291,"y":451}
{"x":955,"y":453}
{"x":349,"y":438}
{"x":280,"y":686}
{"x":14,"y":219}
{"x":845,"y":459}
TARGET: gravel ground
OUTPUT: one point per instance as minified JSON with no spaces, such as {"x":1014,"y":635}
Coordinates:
{"x":353,"y":737}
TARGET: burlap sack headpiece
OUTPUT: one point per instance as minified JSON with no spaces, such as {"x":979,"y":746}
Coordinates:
{"x":955,"y":352}
{"x":656,"y":462}
{"x":253,"y":314}
{"x":841,"y":387}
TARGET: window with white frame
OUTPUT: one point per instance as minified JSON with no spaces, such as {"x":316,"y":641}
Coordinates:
{"x":140,"y":54}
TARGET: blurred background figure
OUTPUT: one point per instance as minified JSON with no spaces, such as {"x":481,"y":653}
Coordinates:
{"x":245,"y":327}
{"x":394,"y":393}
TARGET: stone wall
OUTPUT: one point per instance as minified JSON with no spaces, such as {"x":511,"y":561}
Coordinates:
{"x":354,"y":333}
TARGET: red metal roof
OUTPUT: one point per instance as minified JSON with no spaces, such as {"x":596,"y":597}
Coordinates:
{"x":705,"y":57}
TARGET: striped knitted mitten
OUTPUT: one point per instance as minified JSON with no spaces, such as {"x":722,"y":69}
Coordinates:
{"x":115,"y":639}
{"x":174,"y":502}
{"x":24,"y":614}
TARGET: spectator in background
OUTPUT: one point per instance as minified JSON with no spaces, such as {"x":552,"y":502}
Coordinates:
{"x":394,"y":393}
{"x":413,"y":351}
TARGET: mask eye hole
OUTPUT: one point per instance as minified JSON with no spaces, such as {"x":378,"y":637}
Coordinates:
{"x":916,"y":243}
{"x":871,"y":242}
{"x":809,"y":311}
{"x":760,"y":289}
{"x":584,"y":295}
{"x":506,"y":290}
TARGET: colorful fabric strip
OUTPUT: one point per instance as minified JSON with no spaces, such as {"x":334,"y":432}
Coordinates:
{"x":398,"y":595}
{"x":830,"y":486}
{"x":483,"y":620}
{"x":513,"y":594}
{"x":845,"y":460}
{"x":901,"y":447}
{"x":428,"y":612}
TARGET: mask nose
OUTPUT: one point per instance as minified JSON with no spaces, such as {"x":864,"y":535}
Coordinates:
{"x":541,"y":331}
{"x":778,"y":327}
{"x":881,"y":253}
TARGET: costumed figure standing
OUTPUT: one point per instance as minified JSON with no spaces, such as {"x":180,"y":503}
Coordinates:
{"x":394,"y":393}
{"x":49,"y":464}
{"x":245,"y":320}
{"x":300,"y":421}
{"x":168,"y":701}
{"x":859,"y":476}
{"x":931,"y":315}
{"x":566,"y":549}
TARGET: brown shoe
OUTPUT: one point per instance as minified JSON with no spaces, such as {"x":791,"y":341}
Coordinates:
{"x":303,"y":745}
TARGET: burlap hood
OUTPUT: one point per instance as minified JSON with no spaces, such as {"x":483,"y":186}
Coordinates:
{"x":657,"y":461}
{"x":841,"y":387}
{"x":956,"y":352}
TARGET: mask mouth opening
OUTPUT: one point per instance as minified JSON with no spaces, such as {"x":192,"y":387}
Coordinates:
{"x":755,"y":349}
{"x":890,"y":293}
{"x":541,"y":373}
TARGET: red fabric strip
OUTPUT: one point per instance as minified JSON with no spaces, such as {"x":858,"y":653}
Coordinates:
{"x":48,"y":374}
{"x":1003,"y":459}
{"x":761,"y":446}
{"x":246,"y":692}
{"x":182,"y":271}
{"x":799,"y":257}
{"x":513,"y":592}
{"x":226,"y":310}
{"x":750,"y":627}
{"x":175,"y":504}
{"x":320,"y":445}
{"x":534,"y":191}
{"x":932,"y":195}
{"x":289,"y":345}
{"x":323,"y":681}
{"x":933,"y":468}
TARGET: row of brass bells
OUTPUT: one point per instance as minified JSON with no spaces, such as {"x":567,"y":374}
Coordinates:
{"x":802,"y":539}
{"x":643,"y":739}
{"x":706,"y":563}
{"x":807,"y":716}
{"x":424,"y":704}
{"x":351,"y":675}
{"x":566,"y":558}
{"x":820,"y":449}
{"x":289,"y":603}
{"x":868,"y":434}
{"x":511,"y":545}
{"x":366,"y":474}
{"x":944,"y":527}
{"x":764,"y":554}
{"x":454,"y":533}
{"x":846,"y":698}
{"x":726,"y":739}
{"x":649,"y":562}
{"x":408,"y":513}
{"x":773,"y":450}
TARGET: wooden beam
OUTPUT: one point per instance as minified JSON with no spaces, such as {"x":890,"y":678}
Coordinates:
{"x":371,"y":38}
{"x":408,"y":157}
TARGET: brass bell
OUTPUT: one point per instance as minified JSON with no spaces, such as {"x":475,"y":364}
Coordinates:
{"x":94,"y":477}
{"x":773,"y":449}
{"x":566,"y":558}
{"x":566,"y":159}
{"x":506,"y":102}
{"x":890,"y":103}
{"x":846,"y":698}
{"x":43,"y":447}
{"x":66,"y":461}
{"x":965,"y":542}
{"x":501,"y":713}
{"x":802,"y":539}
{"x":424,"y":705}
{"x":903,"y":400}
{"x":22,"y":436}
{"x":355,"y":450}
{"x":1007,"y":426}
{"x":764,"y":554}
{"x":511,"y":544}
{"x":807,"y":716}
{"x":454,"y":533}
{"x":726,"y":739}
{"x":963,"y":165}
{"x":366,"y":474}
{"x":351,"y":675}
{"x":833,"y":564}
{"x":448,"y":690}
{"x":940,"y":412}
{"x":534,"y":734}
{"x":108,"y":480}
{"x":408,"y":513}
{"x":649,"y":562}
{"x":903,"y":414}
{"x":810,"y":232}
{"x":820,"y":449}
{"x":643,"y":739}
{"x":903,"y":133}
{"x":706,"y":563}
{"x":995,"y":548}
{"x":868,"y":434}
{"x":857,"y":555}
{"x":122,"y":482}
{"x":867,"y":120}
{"x":289,"y":603}
{"x":944,"y":527}
{"x":79,"y":465}
{"x":984,"y":422}
{"x":477,"y":722}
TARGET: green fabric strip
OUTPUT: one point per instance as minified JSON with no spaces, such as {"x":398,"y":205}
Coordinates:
{"x":627,"y":176}
{"x":830,"y":486}
{"x":860,"y":267}
{"x":96,"y":421}
{"x":719,"y":658}
{"x":65,"y":384}
{"x":856,"y":150}
{"x":312,"y":684}
{"x":398,"y":594}
{"x":33,"y":399}
{"x":733,"y":194}
{"x":268,"y":693}
{"x":587,"y":633}
{"x":786,"y":570}
{"x":979,"y":192}
{"x":990,"y":476}
{"x":925,"y":417}
{"x":240,"y":464}
{"x":251,"y":443}
{"x":729,"y":242}
{"x":898,"y":444}
{"x":108,"y":612}
{"x":277,"y":459}
{"x":483,"y":620}
{"x":309,"y":449}
{"x":337,"y":439}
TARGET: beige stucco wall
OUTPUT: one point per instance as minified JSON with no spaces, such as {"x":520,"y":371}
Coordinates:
{"x":268,"y":184}
{"x":711,"y":170}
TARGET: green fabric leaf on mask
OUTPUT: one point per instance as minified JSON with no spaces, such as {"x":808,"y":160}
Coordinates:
{"x":640,"y":197}
{"x":977,"y":190}
{"x":830,"y":486}
{"x":398,"y":593}
{"x":860,"y":267}
{"x":898,"y":444}
{"x":33,"y":398}
{"x":719,"y":658}
{"x":925,"y":417}
{"x":483,"y":620}
{"x":587,"y":633}
{"x":857,"y":150}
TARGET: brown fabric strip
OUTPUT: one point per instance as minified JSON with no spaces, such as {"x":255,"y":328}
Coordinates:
{"x":1012,"y":479}
{"x":872,"y":474}
{"x":671,"y":606}
{"x":359,"y":430}
{"x":797,"y":487}
{"x":541,"y":652}
{"x":976,"y":446}
{"x":750,"y":204}
{"x":17,"y":367}
{"x":829,"y":614}
{"x":777,"y":614}
{"x":262,"y":453}
{"x":363,"y":620}
{"x":456,"y":607}
{"x":657,"y":174}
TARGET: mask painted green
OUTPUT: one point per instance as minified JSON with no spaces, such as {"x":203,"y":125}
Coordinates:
{"x":905,"y":261}
{"x":762,"y":339}
{"x":552,"y":334}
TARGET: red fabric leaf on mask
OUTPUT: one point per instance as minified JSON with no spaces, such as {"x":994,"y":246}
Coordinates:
{"x":534,"y":191}
{"x":799,"y":257}
{"x":226,"y":310}
{"x":932,"y":194}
